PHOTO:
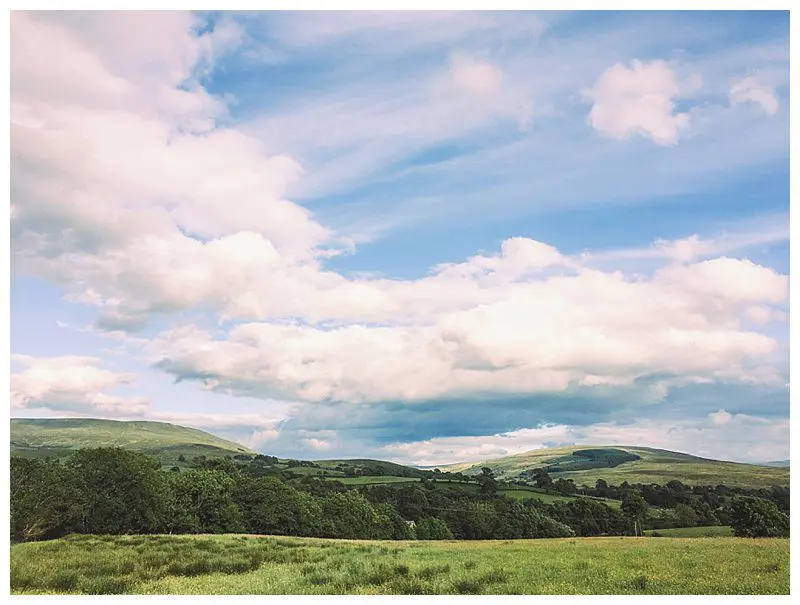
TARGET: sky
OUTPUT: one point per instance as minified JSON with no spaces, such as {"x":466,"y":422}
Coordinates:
{"x":423,"y":237}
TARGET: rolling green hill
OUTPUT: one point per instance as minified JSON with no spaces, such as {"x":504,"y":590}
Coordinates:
{"x":583,"y":464}
{"x":608,"y":462}
{"x":58,"y":437}
{"x":376,"y":467}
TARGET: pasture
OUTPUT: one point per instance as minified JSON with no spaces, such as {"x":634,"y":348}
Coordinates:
{"x":713,"y":531}
{"x":235,"y":564}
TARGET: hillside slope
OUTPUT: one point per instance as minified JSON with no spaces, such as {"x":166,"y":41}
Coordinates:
{"x":57,"y":437}
{"x":652,"y":466}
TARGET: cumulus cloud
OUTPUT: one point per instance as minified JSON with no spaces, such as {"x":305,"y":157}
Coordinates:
{"x":498,"y":324}
{"x":750,"y":90}
{"x":638,"y":100}
{"x":71,"y":383}
{"x":127,"y":157}
{"x":131,"y":189}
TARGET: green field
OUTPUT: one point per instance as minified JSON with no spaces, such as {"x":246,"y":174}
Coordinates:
{"x":520,"y":493}
{"x":654,"y":466}
{"x":374,"y":480}
{"x":272,"y":565}
{"x":384,"y":467}
{"x":714,"y":531}
{"x":59,"y":437}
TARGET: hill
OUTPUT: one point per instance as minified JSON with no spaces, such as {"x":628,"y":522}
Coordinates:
{"x":777,"y":463}
{"x":586,"y":464}
{"x":58,"y":437}
{"x":372,"y":467}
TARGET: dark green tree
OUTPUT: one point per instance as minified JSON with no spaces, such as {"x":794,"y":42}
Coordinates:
{"x":45,"y":502}
{"x":635,"y":508}
{"x":120,"y":491}
{"x":757,"y":518}
{"x":542,"y":478}
{"x":685,"y":516}
{"x":487,"y":481}
{"x":565,"y":486}
{"x":203,"y":502}
{"x":432,"y":528}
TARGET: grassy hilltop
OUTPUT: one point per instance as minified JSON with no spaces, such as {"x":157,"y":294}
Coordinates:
{"x":58,"y":437}
{"x":651,"y":466}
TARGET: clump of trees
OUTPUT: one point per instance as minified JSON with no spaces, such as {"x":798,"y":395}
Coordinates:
{"x":116,"y":491}
{"x":757,"y":518}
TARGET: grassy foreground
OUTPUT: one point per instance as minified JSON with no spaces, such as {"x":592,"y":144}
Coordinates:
{"x":272,"y":565}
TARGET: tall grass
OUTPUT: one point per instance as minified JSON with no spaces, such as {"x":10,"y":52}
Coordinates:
{"x":270,"y":565}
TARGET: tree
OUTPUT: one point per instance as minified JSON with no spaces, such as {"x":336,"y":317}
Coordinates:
{"x":350,"y":516}
{"x":635,"y":508}
{"x":487,"y":481}
{"x":705,"y":514}
{"x":675,"y":486}
{"x":203,"y":502}
{"x":45,"y":502}
{"x":431,"y":528}
{"x":542,"y":478}
{"x":120,"y":491}
{"x":685,"y":516}
{"x":565,"y":486}
{"x":392,"y":525}
{"x":412,"y":502}
{"x":757,"y":518}
{"x":270,"y":506}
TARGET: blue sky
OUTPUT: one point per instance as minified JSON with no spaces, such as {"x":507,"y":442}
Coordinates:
{"x":424,"y":237}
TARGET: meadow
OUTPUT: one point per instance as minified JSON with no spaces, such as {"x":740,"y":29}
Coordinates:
{"x":713,"y":531}
{"x":239,"y":564}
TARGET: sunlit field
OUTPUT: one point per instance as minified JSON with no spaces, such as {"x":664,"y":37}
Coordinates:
{"x":233,"y":564}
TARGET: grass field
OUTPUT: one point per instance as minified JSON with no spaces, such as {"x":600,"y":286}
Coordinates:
{"x":521,"y":493}
{"x":374,"y":480}
{"x":715,"y":531}
{"x":273,"y":565}
{"x":655,"y":466}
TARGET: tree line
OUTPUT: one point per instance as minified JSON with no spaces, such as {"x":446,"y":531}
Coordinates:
{"x":116,"y":491}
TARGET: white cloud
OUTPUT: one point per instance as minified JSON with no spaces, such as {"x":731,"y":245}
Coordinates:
{"x":501,"y":324}
{"x":721,"y":417}
{"x":722,"y":436}
{"x":126,"y":189}
{"x":638,"y":100}
{"x":474,"y":76}
{"x":750,"y":90}
{"x":73,"y":384}
{"x":765,"y":231}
